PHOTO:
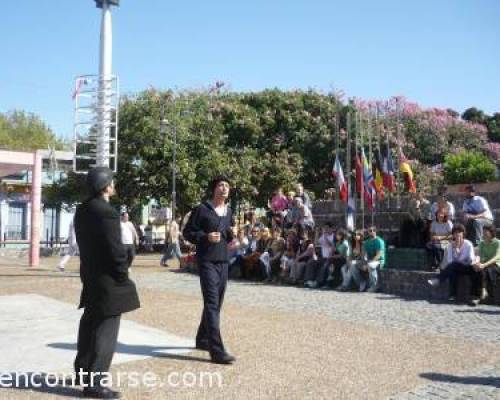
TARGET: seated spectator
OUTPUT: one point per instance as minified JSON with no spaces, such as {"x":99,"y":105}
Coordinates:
{"x":237,"y":248}
{"x":488,"y":264}
{"x":278,"y":205}
{"x":252,"y":263}
{"x":374,"y":256}
{"x":440,"y":237}
{"x":288,"y":258}
{"x":305,"y":254}
{"x":354,"y":261}
{"x":250,"y":258}
{"x":304,"y":196}
{"x":340,"y":256}
{"x":305,"y":217}
{"x":442,"y":202}
{"x":293,"y":214}
{"x":459,"y":257}
{"x":271,"y":258}
{"x":477,"y":214}
{"x":251,"y":222}
{"x":317,"y":273}
{"x":414,"y":229}
{"x":290,"y":197}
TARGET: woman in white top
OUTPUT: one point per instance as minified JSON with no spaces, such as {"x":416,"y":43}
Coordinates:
{"x":440,"y":233}
{"x":459,"y":258}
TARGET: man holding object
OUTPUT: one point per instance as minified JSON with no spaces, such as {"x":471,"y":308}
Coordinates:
{"x":209,"y":228}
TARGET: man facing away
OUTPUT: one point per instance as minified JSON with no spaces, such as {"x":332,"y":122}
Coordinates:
{"x":209,"y":228}
{"x":107,"y":290}
{"x":130,"y":238}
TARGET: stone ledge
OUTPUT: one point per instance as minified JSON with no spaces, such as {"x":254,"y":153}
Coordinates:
{"x":413,"y":283}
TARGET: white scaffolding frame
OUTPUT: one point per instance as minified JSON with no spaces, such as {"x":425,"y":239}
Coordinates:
{"x":95,"y":129}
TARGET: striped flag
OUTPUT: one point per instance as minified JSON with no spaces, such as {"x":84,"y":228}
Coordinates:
{"x":405,"y":169}
{"x":359,"y":174}
{"x":369,"y":183}
{"x":350,"y":211}
{"x":388,"y":171}
{"x":78,"y":87}
{"x":338,"y":174}
{"x":377,"y":174}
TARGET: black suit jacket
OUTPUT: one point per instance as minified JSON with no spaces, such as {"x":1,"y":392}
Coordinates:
{"x":103,"y":261}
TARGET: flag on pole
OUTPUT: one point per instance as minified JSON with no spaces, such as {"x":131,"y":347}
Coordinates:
{"x":338,"y":174}
{"x":78,"y":87}
{"x":359,"y":174}
{"x":369,"y":183}
{"x":377,"y":173}
{"x":350,"y":211}
{"x":405,"y":169}
{"x":388,"y":172}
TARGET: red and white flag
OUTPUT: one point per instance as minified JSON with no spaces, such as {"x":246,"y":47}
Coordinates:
{"x":78,"y":87}
{"x":338,"y":174}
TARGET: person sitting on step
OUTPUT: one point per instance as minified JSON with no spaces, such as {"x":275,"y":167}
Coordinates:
{"x":459,"y":257}
{"x":488,"y":264}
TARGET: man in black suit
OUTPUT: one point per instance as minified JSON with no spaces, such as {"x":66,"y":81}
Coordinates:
{"x":209,"y":228}
{"x":107,"y":290}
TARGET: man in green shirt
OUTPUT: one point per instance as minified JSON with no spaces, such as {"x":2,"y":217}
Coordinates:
{"x":489,"y":259}
{"x":374,"y":254}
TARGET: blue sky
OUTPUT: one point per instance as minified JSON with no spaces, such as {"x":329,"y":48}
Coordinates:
{"x":442,"y":53}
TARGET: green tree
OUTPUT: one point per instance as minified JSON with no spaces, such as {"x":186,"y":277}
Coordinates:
{"x":473,"y":114}
{"x":66,"y":192}
{"x":494,"y":127}
{"x":23,"y":131}
{"x":467,"y":167}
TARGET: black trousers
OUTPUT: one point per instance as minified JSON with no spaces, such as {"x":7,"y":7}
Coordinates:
{"x":97,"y":338}
{"x":453,"y":270}
{"x":213,"y":280}
{"x":489,"y":274}
{"x":437,"y":254}
{"x":130,"y":250}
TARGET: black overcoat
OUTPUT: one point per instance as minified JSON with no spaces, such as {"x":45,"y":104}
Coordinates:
{"x":107,"y":288}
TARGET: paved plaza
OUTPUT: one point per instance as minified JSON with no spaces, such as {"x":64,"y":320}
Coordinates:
{"x":290,"y":343}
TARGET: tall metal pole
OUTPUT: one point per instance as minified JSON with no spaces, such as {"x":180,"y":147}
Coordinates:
{"x":370,"y":159}
{"x":104,"y":95}
{"x":398,"y":139}
{"x":174,"y":166}
{"x":348,"y":164}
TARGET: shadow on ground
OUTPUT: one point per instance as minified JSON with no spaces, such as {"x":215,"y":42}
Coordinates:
{"x":464,"y":380}
{"x":40,"y":382}
{"x":142,"y":350}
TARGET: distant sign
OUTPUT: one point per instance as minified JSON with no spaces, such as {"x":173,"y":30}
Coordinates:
{"x":160,"y":214}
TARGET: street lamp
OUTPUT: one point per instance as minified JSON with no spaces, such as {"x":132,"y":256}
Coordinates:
{"x":163,"y":123}
{"x":100,"y":3}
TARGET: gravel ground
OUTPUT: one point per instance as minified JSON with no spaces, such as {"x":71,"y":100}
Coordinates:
{"x":297,"y":344}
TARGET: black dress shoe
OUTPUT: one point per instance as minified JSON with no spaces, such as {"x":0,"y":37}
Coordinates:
{"x":224,"y":358}
{"x":100,"y":393}
{"x":202,"y":346}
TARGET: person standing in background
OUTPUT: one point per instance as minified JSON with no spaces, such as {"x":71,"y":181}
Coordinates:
{"x":130,"y":238}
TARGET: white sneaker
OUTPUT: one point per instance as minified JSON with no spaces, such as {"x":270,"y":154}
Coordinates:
{"x":433,"y":282}
{"x":60,"y":268}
